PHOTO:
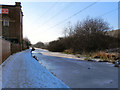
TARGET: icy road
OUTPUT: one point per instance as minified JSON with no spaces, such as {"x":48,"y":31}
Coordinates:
{"x":78,"y":73}
{"x":22,"y":71}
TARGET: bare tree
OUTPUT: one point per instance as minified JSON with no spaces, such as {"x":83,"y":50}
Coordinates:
{"x":86,"y":36}
{"x":27,"y":42}
{"x":68,"y":31}
{"x":39,"y":44}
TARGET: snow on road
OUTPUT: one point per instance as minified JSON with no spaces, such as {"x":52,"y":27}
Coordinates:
{"x":22,"y":71}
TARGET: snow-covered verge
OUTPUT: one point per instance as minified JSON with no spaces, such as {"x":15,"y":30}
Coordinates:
{"x":22,"y":71}
{"x":57,"y":54}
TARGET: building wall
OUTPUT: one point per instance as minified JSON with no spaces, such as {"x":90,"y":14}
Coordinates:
{"x":13,"y":32}
{"x":0,"y":24}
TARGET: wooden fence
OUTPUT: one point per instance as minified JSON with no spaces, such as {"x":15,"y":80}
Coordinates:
{"x":7,"y":48}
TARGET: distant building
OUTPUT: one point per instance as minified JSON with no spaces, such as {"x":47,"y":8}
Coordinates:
{"x":114,"y":33}
{"x":11,"y":21}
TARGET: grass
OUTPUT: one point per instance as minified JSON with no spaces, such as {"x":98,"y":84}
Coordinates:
{"x":68,"y":51}
{"x":104,"y":57}
{"x":87,"y":58}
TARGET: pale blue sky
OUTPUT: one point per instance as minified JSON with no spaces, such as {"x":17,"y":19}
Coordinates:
{"x":40,"y":16}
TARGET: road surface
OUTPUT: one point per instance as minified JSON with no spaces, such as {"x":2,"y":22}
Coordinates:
{"x":78,"y":73}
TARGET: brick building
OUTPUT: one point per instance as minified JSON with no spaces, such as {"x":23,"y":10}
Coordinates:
{"x":12,"y":23}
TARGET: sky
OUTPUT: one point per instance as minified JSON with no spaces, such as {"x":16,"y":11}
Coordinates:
{"x":45,"y":21}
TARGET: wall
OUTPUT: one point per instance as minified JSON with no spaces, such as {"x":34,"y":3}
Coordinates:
{"x":5,"y":48}
{"x":15,"y":48}
{"x":0,"y":51}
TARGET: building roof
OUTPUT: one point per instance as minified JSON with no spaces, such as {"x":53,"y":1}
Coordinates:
{"x":114,"y":33}
{"x":17,"y":4}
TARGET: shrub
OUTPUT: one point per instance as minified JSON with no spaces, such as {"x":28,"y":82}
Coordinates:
{"x":56,"y":46}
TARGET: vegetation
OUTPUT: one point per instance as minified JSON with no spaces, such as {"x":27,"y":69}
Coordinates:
{"x":39,"y":45}
{"x":26,"y":42}
{"x":106,"y":56}
{"x":85,"y":37}
{"x":56,"y":46}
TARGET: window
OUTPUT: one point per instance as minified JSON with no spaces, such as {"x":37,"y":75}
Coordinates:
{"x":6,"y":22}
